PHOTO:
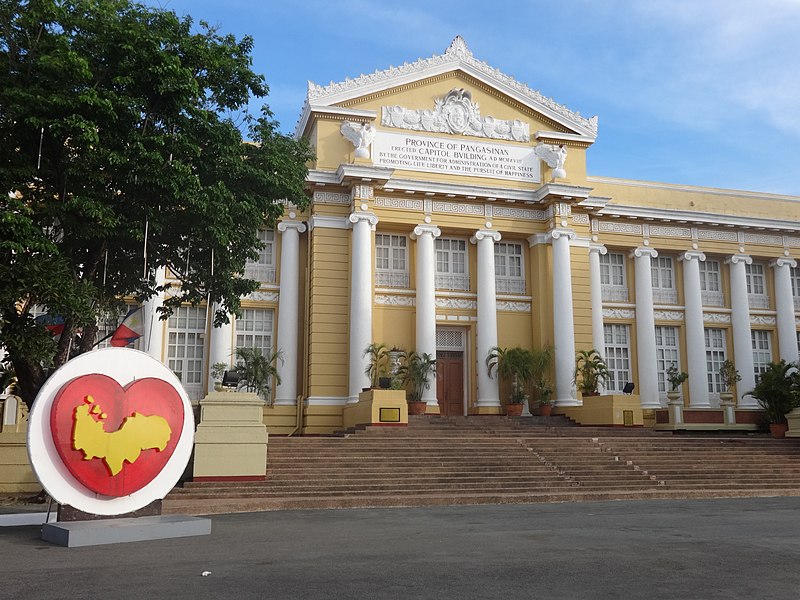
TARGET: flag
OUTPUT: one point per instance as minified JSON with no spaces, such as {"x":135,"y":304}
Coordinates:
{"x":53,"y":323}
{"x":130,"y":329}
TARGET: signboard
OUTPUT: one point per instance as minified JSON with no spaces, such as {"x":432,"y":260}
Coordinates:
{"x":453,"y":156}
{"x":110,"y":432}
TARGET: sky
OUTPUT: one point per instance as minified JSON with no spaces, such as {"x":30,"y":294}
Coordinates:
{"x":696,"y":92}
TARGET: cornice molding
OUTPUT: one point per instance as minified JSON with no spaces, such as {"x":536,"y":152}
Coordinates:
{"x":456,"y":57}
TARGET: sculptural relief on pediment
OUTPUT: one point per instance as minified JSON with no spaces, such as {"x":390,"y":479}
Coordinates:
{"x":456,"y":113}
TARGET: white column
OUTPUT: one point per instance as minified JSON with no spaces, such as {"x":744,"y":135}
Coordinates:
{"x":288,"y":311}
{"x":596,"y":289}
{"x":220,"y":346}
{"x":784,"y":305}
{"x":153,"y":327}
{"x":426,"y":299}
{"x":360,"y":301}
{"x":563,"y":319}
{"x":740,"y":322}
{"x":486,"y":329}
{"x":646,"y":329}
{"x":695,"y":338}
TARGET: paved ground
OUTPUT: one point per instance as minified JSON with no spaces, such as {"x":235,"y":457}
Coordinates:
{"x":689,"y":549}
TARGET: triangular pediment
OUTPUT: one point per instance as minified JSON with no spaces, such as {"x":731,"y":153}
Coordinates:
{"x":457,"y":58}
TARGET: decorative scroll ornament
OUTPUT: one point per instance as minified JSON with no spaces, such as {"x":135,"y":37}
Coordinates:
{"x":455,"y":113}
{"x":554,"y":157}
{"x":361,"y":135}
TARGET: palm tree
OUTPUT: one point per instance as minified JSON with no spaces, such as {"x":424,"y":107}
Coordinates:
{"x":257,"y":369}
{"x":415,"y":374}
{"x":541,"y":360}
{"x":592,"y":371}
{"x":378,"y":362}
{"x":514,"y":365}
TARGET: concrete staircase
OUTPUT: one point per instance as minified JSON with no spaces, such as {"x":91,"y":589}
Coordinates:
{"x":496,"y":460}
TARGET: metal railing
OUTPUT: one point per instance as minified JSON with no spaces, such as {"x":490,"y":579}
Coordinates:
{"x":458,"y":283}
{"x":260,"y":273}
{"x":711,"y":298}
{"x":758,"y":300}
{"x":665,"y":296}
{"x":391,"y":279}
{"x":509,"y":285}
{"x":615,"y":293}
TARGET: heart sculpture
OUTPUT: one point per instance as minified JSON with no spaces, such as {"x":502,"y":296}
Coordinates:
{"x":116,"y":440}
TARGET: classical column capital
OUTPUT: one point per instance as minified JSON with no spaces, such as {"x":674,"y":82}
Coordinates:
{"x":421,"y":230}
{"x":560,"y":232}
{"x":359,"y":216}
{"x":783,"y":262}
{"x":642,"y":251}
{"x":598,"y":248}
{"x":691,"y":255}
{"x":483,"y":234}
{"x":296,"y":225}
{"x":739,"y":258}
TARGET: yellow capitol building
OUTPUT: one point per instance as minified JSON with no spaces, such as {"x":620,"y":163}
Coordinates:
{"x":451,"y":213}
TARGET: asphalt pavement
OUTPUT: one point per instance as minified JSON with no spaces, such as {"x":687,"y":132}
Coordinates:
{"x":682,"y":549}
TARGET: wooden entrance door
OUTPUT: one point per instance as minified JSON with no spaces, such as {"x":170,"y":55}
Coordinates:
{"x":450,"y":383}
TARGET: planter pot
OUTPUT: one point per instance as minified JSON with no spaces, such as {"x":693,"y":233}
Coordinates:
{"x":674,"y":397}
{"x":416,"y":408}
{"x":513,"y":410}
{"x":384,"y":383}
{"x":217,"y":386}
{"x":778,"y":430}
{"x":545,"y":410}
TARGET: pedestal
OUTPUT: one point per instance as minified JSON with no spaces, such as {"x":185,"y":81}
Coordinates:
{"x":231,"y":440}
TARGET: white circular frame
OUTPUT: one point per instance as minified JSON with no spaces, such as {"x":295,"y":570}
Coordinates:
{"x":124,"y":365}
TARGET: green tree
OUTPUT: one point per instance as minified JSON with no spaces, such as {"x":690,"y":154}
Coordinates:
{"x":120,"y":122}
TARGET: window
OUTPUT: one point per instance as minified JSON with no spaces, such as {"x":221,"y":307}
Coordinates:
{"x":254,"y":329}
{"x":666,"y":355}
{"x":451,"y":265}
{"x":617,"y":348}
{"x":715,"y":356}
{"x":612,"y":277}
{"x":391,"y":260}
{"x":711,"y":283}
{"x":795,"y":277}
{"x":263,"y":269}
{"x":662,"y":275}
{"x":756,"y":285}
{"x":762,"y":352}
{"x":186,"y":334}
{"x":509,"y":276}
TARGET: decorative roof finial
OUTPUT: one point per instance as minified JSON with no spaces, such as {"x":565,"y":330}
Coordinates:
{"x":458,"y":47}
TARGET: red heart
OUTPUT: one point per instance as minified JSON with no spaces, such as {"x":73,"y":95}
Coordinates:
{"x":92,"y":447}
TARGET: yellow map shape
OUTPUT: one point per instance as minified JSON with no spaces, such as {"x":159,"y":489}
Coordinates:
{"x":136,"y":433}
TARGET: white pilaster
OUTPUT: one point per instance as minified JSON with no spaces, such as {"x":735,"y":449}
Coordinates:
{"x":220,"y":345}
{"x":646,"y":328}
{"x":288,"y":311}
{"x":563,"y":318}
{"x":153,"y":327}
{"x":486,"y":328}
{"x":784,"y":305}
{"x":695,"y":339}
{"x":426,"y":299}
{"x":360,"y":300}
{"x":740,"y":322}
{"x":596,"y":289}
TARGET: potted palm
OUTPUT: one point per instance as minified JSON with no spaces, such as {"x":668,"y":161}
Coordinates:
{"x":256,"y":370}
{"x":513,"y":365}
{"x":590,"y":372}
{"x":541,"y":359}
{"x":675,"y":379}
{"x":415,"y":373}
{"x":728,"y":376}
{"x":217,"y":371}
{"x":778,"y":392}
{"x":378,"y":367}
